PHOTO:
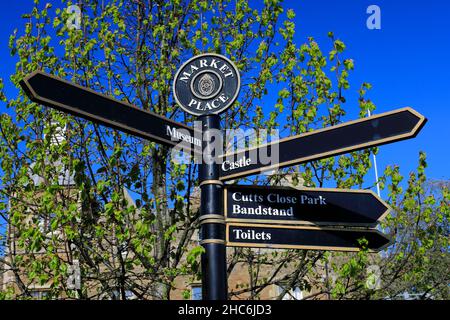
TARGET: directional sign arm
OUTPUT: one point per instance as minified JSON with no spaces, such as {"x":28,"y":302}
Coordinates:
{"x":312,"y":206}
{"x":302,"y":237}
{"x":85,"y":103}
{"x":351,"y":136}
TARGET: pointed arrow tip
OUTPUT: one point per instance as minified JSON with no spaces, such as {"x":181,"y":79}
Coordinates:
{"x":422,"y":120}
{"x":26,"y":87}
{"x":25,"y":84}
{"x":387,"y":207}
{"x":388,"y":240}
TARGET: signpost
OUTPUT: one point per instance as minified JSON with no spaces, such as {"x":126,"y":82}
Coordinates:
{"x":321,"y":206}
{"x":262,"y":217}
{"x":303,"y":237}
{"x":355,"y":135}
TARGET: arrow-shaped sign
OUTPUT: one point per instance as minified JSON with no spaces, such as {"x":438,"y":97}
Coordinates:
{"x":302,"y":237}
{"x":83,"y":102}
{"x":355,"y":135}
{"x":283,"y":205}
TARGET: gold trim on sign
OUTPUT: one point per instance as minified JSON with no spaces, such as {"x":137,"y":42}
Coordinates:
{"x":388,"y":208}
{"x":403,"y":136}
{"x":208,"y":241}
{"x":41,"y":100}
{"x":305,"y":247}
{"x":212,"y":181}
{"x":301,"y":222}
{"x":218,"y":221}
{"x":211,"y":216}
{"x":238,"y":75}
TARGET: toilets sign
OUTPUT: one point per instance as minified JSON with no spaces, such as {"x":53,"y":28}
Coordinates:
{"x":278,"y":205}
{"x":303,"y":237}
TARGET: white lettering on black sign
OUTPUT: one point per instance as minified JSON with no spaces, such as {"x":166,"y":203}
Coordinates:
{"x":261,"y":204}
{"x":241,"y":234}
{"x":327,"y":206}
{"x":177,"y":135}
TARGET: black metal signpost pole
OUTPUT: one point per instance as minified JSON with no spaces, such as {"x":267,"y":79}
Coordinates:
{"x":214,"y":273}
{"x":205,"y":86}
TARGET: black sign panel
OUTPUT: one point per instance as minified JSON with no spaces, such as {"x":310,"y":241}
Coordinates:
{"x":206,"y":84}
{"x":88,"y":104}
{"x":347,"y":137}
{"x":261,"y":204}
{"x":296,"y":237}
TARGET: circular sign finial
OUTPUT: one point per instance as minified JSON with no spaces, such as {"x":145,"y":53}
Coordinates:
{"x":206,"y":84}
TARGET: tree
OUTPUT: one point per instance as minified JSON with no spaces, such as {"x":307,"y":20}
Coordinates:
{"x":416,"y":265}
{"x":131,"y":50}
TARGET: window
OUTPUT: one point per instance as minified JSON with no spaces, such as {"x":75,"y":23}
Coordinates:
{"x":196,"y":292}
{"x":129,"y":295}
{"x":123,"y":249}
{"x":293,"y":294}
{"x":44,"y":223}
{"x":39,"y":294}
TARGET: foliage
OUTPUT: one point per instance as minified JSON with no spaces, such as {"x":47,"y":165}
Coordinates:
{"x":131,"y":50}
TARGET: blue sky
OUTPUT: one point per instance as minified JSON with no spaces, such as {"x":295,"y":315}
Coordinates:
{"x":407,"y":62}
